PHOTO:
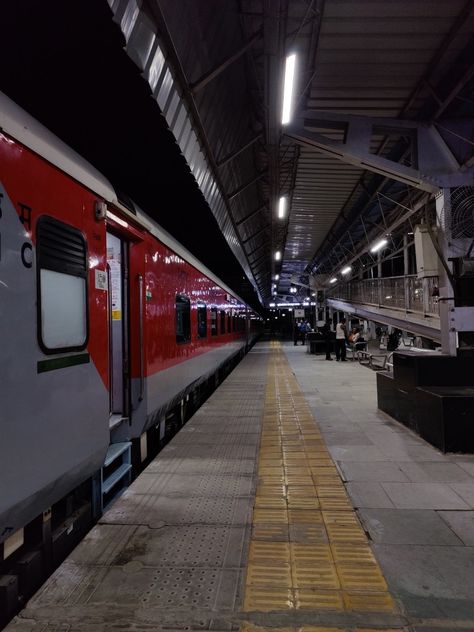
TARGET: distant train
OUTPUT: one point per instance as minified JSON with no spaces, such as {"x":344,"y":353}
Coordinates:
{"x":109,"y":331}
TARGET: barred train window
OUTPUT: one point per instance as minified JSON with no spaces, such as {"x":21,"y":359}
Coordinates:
{"x":202,"y":322}
{"x":62,"y":287}
{"x":213,"y":321}
{"x":222,"y":321}
{"x":183,"y":318}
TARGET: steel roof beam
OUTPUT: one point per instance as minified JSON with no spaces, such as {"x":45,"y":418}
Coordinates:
{"x":250,"y":215}
{"x":245,"y":186}
{"x":437,"y":167}
{"x":236,"y":153}
{"x":254,"y":235}
{"x":258,"y":259}
{"x":208,"y":77}
{"x":252,"y":252}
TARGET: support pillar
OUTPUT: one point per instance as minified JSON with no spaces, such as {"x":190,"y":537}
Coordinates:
{"x":446,"y":290}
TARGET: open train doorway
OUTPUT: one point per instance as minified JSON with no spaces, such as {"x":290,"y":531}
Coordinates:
{"x":118,"y":314}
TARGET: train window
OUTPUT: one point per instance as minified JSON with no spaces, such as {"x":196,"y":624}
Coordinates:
{"x":234,"y":323}
{"x":213,"y":321}
{"x":62,"y":287}
{"x":183,"y":318}
{"x":202,"y":321}
{"x":222,"y":321}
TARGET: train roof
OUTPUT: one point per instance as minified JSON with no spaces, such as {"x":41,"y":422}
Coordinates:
{"x":21,"y":126}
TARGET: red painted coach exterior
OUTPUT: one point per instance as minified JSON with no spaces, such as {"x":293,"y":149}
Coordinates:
{"x":159,"y":325}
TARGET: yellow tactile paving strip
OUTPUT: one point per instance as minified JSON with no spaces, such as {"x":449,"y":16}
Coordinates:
{"x":307,"y":549}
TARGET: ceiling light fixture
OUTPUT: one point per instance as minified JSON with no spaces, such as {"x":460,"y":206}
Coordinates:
{"x":282,"y":207}
{"x":346,"y":270}
{"x":379,"y":245}
{"x":277,"y":276}
{"x":288,"y":88}
{"x":333,"y":280}
{"x":277,"y":255}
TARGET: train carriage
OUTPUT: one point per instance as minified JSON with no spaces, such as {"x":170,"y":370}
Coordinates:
{"x":108,"y":328}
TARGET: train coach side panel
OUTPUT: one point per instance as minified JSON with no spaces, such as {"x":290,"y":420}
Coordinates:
{"x":172,"y":367}
{"x":53,"y":413}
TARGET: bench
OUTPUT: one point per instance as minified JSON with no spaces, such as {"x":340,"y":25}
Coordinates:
{"x":353,"y":349}
{"x":365,"y":357}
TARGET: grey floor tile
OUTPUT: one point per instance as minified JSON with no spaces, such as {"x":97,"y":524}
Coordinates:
{"x":204,"y":484}
{"x":407,"y":526}
{"x":465,"y":491}
{"x":363,"y":454}
{"x":424,"y":496}
{"x":185,"y":547}
{"x":428,"y":571}
{"x":375,"y":471}
{"x":368,"y":495}
{"x":462,"y":523}
{"x":346,"y":437}
{"x":435,"y":472}
{"x":468,"y":466}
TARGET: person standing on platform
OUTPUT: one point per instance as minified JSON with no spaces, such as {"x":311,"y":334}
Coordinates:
{"x":296,"y":332}
{"x":326,"y":332}
{"x":341,"y":333}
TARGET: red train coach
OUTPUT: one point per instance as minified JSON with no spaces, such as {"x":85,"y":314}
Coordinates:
{"x":109,"y":329}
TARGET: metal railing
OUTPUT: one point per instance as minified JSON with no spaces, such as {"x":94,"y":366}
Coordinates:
{"x":404,"y":293}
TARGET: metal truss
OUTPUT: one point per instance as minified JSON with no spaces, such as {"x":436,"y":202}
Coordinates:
{"x":435,"y":168}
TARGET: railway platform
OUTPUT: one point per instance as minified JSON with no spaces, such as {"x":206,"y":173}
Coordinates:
{"x":287,"y":502}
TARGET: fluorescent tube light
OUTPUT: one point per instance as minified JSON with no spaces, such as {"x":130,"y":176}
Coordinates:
{"x":277,"y":276}
{"x":333,"y":280}
{"x":277,"y":255}
{"x":379,"y":245}
{"x":282,"y":207}
{"x":288,"y":88}
{"x":346,"y":270}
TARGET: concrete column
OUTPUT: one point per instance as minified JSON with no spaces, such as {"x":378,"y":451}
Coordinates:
{"x":446,"y":290}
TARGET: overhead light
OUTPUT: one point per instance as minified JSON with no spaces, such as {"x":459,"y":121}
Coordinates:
{"x":333,"y":280}
{"x":410,"y":233}
{"x":282,"y":207}
{"x":277,"y":276}
{"x":379,"y":245}
{"x":293,"y":290}
{"x":346,"y":270}
{"x":277,"y":255}
{"x":313,"y":294}
{"x":288,"y":88}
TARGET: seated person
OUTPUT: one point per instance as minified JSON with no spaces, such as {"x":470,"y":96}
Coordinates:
{"x":354,"y":336}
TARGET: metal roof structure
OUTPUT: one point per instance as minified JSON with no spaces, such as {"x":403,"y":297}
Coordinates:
{"x":214,"y":70}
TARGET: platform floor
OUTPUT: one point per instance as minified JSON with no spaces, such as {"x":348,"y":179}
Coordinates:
{"x":243,"y":520}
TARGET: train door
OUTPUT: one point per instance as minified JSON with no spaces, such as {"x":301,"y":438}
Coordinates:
{"x":118,"y":314}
